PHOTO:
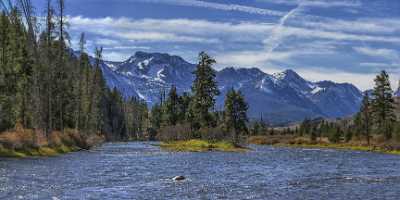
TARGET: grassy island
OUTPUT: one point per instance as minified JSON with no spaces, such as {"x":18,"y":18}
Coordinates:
{"x":202,"y":146}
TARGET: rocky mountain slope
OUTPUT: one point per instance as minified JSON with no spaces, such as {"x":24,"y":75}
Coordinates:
{"x":279,"y":98}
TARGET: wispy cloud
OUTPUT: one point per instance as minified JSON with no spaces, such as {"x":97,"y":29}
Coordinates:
{"x":363,"y":25}
{"x":317,"y":3}
{"x":212,"y":32}
{"x":389,"y":54}
{"x":220,"y":6}
{"x":275,"y":38}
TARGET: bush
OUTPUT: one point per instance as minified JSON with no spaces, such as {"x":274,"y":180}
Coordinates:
{"x":335,"y":136}
{"x":213,"y":134}
{"x":177,"y":132}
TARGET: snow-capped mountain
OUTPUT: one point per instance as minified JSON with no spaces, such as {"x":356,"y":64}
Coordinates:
{"x":397,"y":92}
{"x":279,"y":98}
{"x":286,"y":97}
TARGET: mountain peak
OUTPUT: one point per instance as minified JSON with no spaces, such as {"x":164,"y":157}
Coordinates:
{"x":288,"y":74}
{"x":397,"y":92}
{"x":164,"y":57}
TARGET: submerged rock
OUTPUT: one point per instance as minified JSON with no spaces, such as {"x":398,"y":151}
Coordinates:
{"x":179,"y":178}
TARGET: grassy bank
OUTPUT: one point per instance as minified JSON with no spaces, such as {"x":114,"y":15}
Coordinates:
{"x":201,"y":146}
{"x":27,"y":143}
{"x":303,"y":142}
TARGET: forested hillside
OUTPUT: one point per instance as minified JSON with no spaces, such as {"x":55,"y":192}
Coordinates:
{"x":47,"y":89}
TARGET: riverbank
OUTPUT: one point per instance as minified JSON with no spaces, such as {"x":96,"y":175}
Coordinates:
{"x":29,"y":143}
{"x":303,"y":142}
{"x":201,"y":146}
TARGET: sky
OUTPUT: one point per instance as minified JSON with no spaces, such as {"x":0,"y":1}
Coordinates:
{"x":339,"y":40}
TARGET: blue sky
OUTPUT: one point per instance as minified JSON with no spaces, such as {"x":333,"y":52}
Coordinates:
{"x":340,"y":40}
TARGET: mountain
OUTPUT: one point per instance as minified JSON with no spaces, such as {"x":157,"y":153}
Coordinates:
{"x":279,"y":98}
{"x":397,"y":92}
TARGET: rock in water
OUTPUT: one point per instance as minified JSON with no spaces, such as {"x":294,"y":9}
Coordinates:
{"x":178,"y":178}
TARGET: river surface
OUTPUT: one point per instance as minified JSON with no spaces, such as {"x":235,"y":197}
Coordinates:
{"x":143,"y":171}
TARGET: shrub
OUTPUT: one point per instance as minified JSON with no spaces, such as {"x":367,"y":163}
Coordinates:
{"x":177,"y":132}
{"x":213,"y":134}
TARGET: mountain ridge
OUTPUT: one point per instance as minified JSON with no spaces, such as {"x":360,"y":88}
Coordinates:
{"x":282,"y":97}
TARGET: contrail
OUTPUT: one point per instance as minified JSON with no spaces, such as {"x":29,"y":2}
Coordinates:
{"x":276,"y":37}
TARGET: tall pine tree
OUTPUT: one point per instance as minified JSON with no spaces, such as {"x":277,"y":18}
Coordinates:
{"x":172,"y":107}
{"x":382,"y":105}
{"x":204,"y":90}
{"x":235,"y":114}
{"x":363,"y":120}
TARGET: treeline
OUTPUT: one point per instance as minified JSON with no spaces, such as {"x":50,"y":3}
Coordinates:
{"x":193,"y":115}
{"x":44,"y":86}
{"x":376,"y":118}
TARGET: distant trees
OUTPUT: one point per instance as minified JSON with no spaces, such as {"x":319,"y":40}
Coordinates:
{"x":258,"y":127}
{"x":376,"y":115}
{"x":193,"y":115}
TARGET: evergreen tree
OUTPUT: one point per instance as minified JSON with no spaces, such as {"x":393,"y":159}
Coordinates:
{"x":382,"y":105}
{"x":172,"y":107}
{"x":156,"y":117}
{"x":363,"y":119}
{"x":184,"y":102}
{"x":204,"y":90}
{"x":235,"y":114}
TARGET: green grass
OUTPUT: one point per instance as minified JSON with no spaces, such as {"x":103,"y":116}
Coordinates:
{"x":201,"y":146}
{"x":11,"y":153}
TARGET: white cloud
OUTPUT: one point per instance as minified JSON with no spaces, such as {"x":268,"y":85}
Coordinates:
{"x":127,"y":48}
{"x":301,"y":35}
{"x":250,"y":58}
{"x":389,"y":54}
{"x":260,"y":58}
{"x":191,"y":27}
{"x":202,"y":31}
{"x":317,"y":3}
{"x":116,"y":55}
{"x":363,"y":25}
{"x":220,"y":6}
{"x":340,"y":36}
{"x":362,"y":81}
{"x":107,"y":42}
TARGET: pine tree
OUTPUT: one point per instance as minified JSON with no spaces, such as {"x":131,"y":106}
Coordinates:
{"x":382,"y":105}
{"x":204,"y":90}
{"x":184,"y":102}
{"x":156,"y":117}
{"x":363,"y":119}
{"x":172,"y":107}
{"x":235,"y":114}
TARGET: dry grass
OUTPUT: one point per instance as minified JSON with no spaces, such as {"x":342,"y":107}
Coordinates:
{"x":27,"y":142}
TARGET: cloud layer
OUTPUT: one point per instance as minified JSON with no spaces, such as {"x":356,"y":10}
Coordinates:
{"x":293,"y":36}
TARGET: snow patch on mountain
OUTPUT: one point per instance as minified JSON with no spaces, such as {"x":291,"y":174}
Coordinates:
{"x":280,"y":98}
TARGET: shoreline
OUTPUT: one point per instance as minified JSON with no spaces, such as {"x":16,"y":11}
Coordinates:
{"x":300,"y":142}
{"x":38,"y":152}
{"x":346,"y":147}
{"x":27,"y":143}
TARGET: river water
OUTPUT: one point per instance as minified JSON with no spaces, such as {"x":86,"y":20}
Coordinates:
{"x":142,"y":171}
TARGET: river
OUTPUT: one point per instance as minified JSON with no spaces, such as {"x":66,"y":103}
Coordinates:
{"x":142,"y":171}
